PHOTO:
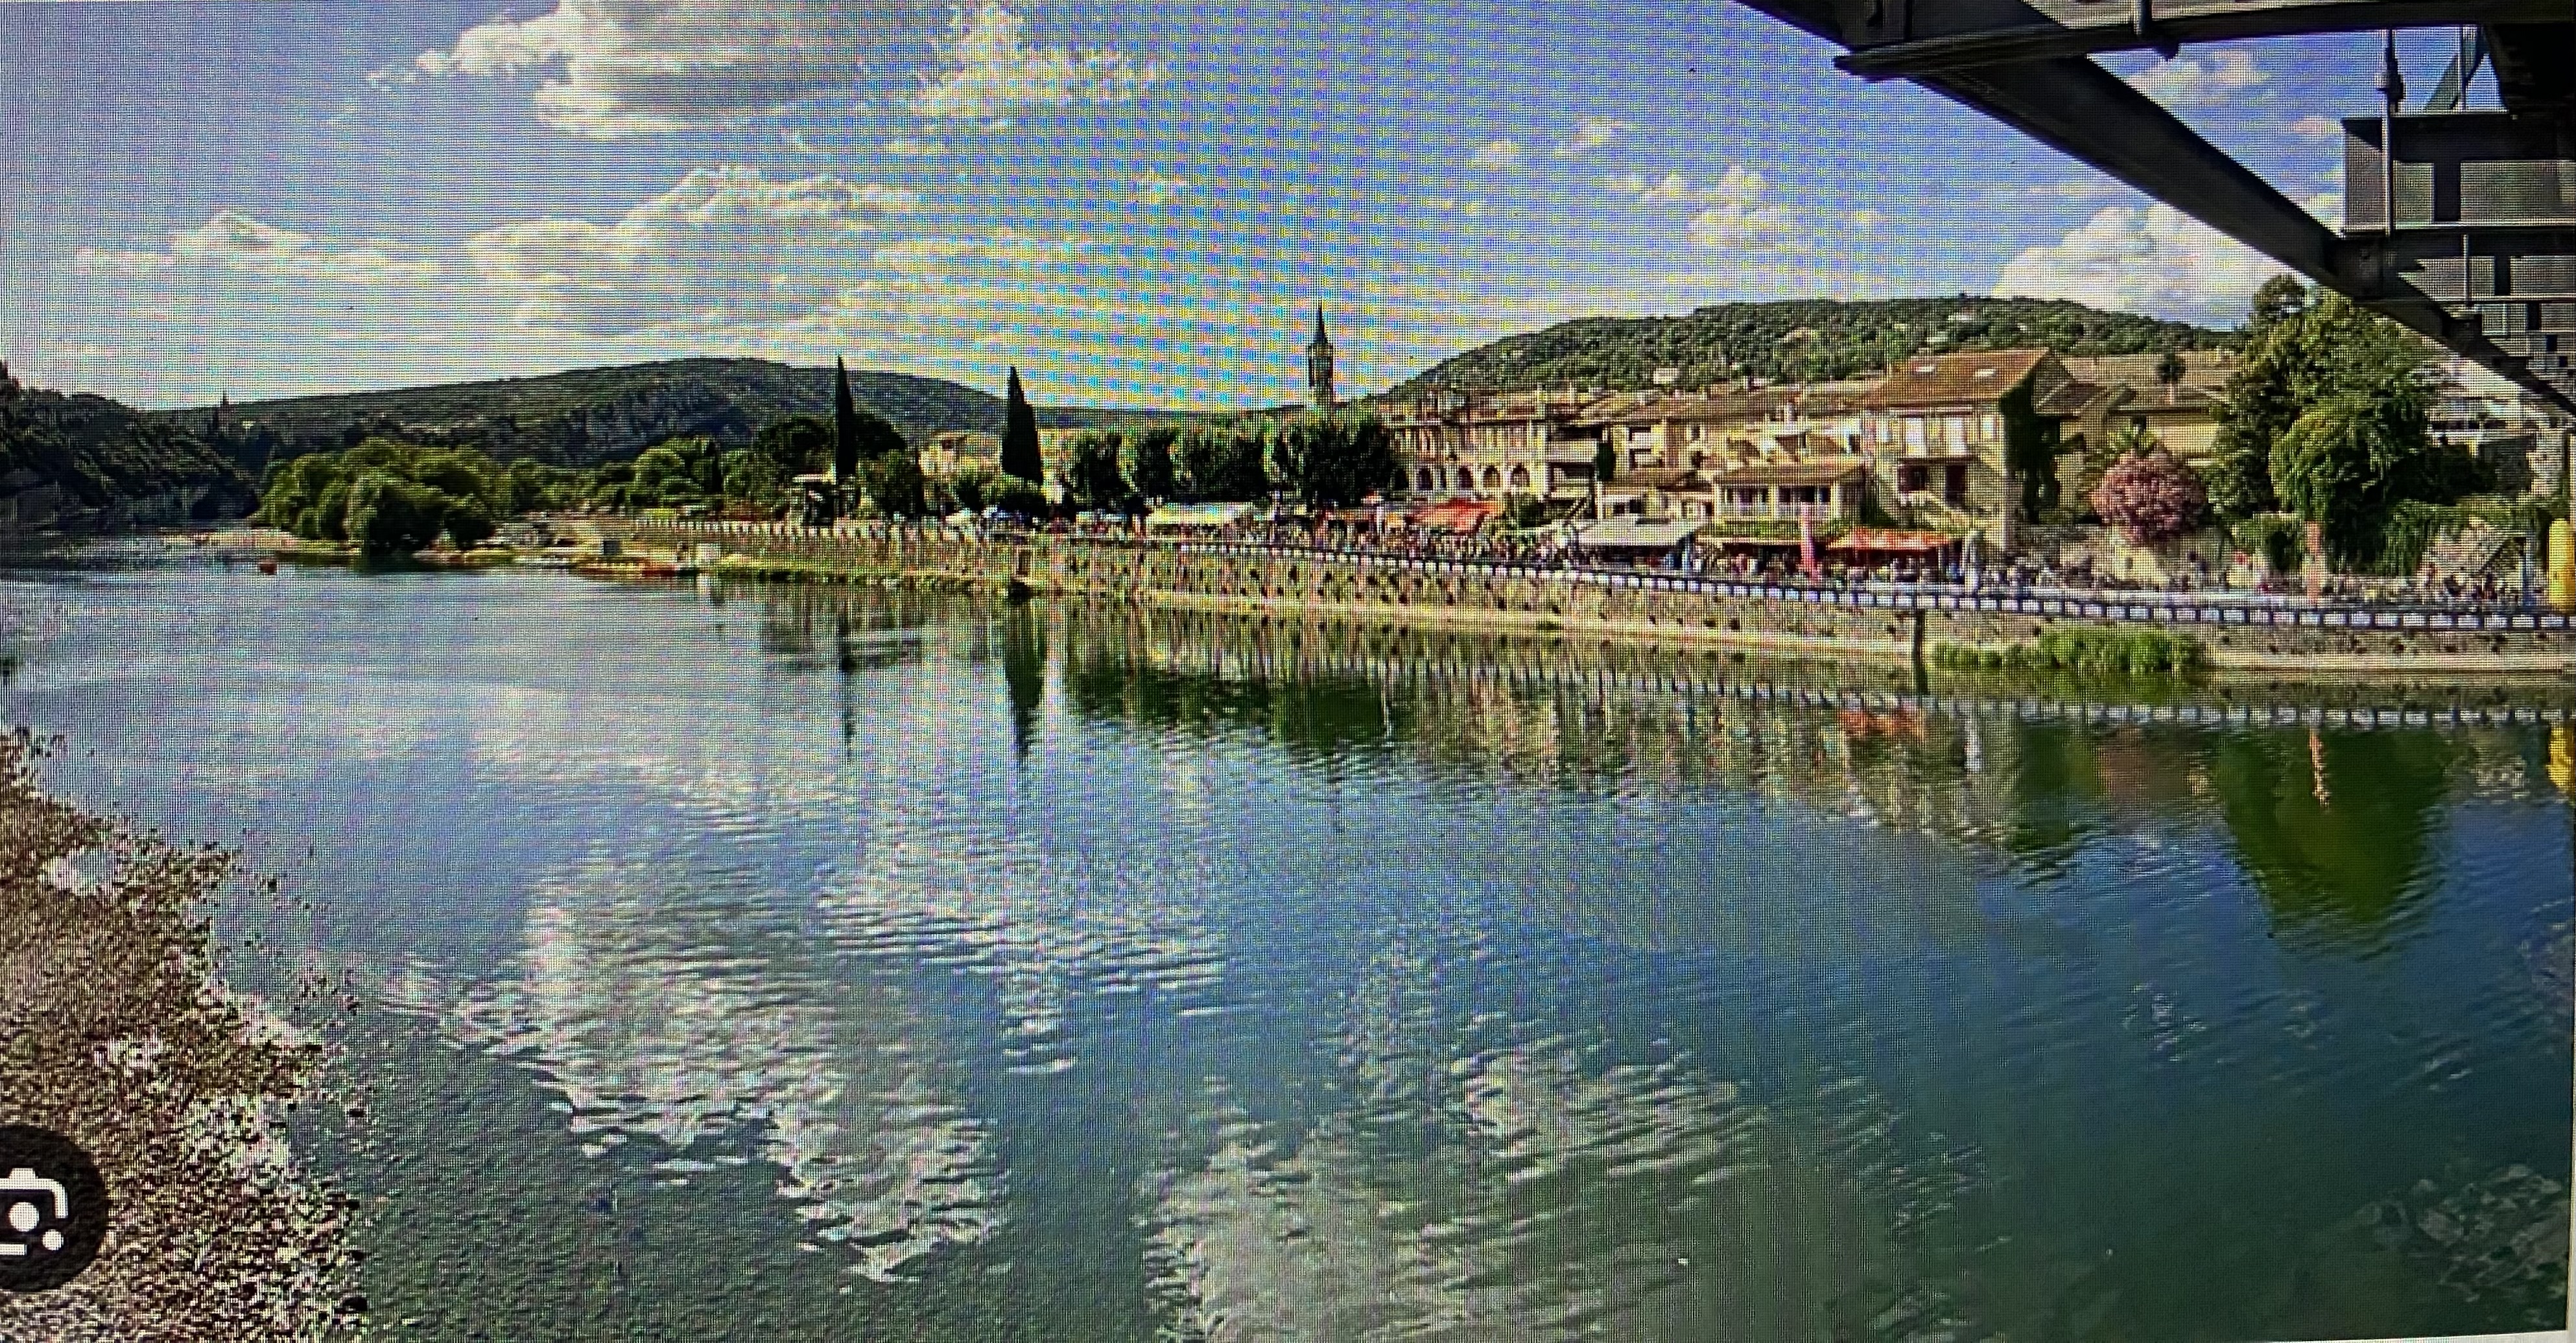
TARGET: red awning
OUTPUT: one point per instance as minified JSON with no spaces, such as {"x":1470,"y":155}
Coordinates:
{"x":1882,"y":542}
{"x":1460,"y":515}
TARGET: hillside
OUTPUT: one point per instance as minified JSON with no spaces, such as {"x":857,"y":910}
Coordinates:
{"x":1809,"y":340}
{"x":589,"y":416}
{"x":86,"y":461}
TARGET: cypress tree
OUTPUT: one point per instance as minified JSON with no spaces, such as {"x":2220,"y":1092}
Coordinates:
{"x":845,"y":427}
{"x":1020,"y":435}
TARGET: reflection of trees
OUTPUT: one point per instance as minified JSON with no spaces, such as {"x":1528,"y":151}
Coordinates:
{"x":1024,"y":656}
{"x":2333,"y":828}
{"x":2055,"y":779}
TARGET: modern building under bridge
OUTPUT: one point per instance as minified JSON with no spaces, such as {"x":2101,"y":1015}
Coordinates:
{"x":2460,"y":224}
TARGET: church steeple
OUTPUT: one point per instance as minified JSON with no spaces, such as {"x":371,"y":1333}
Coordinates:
{"x":1319,"y":366}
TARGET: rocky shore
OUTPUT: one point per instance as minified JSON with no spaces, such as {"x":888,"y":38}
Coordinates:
{"x":115,"y":1032}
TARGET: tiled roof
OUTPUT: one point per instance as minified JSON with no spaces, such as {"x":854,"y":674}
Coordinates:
{"x":1659,"y":478}
{"x":1788,"y":473}
{"x":2073,"y":398}
{"x":2200,"y":368}
{"x":1952,"y":378}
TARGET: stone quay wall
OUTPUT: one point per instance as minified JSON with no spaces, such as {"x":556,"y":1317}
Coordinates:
{"x":1882,"y":624}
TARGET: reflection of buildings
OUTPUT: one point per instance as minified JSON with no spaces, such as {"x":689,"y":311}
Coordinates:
{"x":2337,"y":838}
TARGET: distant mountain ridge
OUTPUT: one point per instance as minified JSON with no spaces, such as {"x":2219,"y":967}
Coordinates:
{"x":587,"y":416}
{"x":1801,"y":340}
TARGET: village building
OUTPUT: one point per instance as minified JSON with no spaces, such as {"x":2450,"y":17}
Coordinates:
{"x":1764,"y":454}
{"x":2110,"y":398}
{"x":953,"y":452}
{"x":1944,"y":430}
{"x":1501,"y":446}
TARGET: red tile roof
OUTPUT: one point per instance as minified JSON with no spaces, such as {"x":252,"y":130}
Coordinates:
{"x":1949,"y":379}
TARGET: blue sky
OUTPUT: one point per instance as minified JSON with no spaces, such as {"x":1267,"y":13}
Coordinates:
{"x":1137,"y":205}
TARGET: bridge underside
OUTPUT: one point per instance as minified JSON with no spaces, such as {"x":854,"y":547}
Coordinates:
{"x":2489,"y":271}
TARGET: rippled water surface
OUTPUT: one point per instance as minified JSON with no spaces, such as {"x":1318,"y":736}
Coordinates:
{"x":798,"y":963}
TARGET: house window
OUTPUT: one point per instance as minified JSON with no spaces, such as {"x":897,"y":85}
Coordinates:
{"x":1914,"y":433}
{"x":1913,"y":477}
{"x":1428,"y":482}
{"x":1694,"y":434}
{"x":1955,"y":431}
{"x":1954,"y":485}
{"x":1993,"y":427}
{"x":1520,"y":477}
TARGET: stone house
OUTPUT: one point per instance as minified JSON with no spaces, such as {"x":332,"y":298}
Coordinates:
{"x":1948,"y":434}
{"x":1500,"y":446}
{"x":2108,"y":393}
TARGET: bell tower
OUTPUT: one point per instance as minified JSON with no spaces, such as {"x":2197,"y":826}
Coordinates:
{"x":1319,"y":366}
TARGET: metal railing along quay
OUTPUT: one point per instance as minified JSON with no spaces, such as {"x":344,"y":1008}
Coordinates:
{"x":2204,"y":608}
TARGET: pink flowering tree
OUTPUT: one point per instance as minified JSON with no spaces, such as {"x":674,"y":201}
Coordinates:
{"x":2152,"y":497}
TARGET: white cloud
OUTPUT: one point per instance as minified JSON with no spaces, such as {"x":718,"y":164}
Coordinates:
{"x":912,"y":147}
{"x":2202,"y":79}
{"x":235,"y":241}
{"x":1867,"y":218}
{"x":629,"y":67}
{"x":1733,"y":213}
{"x":1154,"y":188}
{"x":95,"y":261}
{"x":2077,"y":189}
{"x":1472,"y":209}
{"x":993,"y":73}
{"x":2314,"y":127}
{"x":1496,"y":155}
{"x":2152,"y":260}
{"x":1591,"y":133}
{"x":725,"y":243}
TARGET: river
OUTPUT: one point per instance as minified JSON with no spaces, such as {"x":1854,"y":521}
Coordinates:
{"x":818,"y":963}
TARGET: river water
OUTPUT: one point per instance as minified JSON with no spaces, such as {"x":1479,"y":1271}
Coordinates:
{"x":836,"y":963}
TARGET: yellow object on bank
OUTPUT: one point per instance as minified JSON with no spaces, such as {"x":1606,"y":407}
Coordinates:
{"x":2562,"y":566}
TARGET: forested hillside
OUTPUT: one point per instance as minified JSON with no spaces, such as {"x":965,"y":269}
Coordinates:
{"x":590,"y":416}
{"x":1811,"y":340}
{"x":75,"y":459}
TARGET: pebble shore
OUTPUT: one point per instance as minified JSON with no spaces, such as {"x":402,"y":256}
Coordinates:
{"x":115,"y":1032}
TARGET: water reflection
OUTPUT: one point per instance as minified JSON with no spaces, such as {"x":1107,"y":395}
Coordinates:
{"x":674,"y":1005}
{"x":2337,"y":829}
{"x":1290,"y":979}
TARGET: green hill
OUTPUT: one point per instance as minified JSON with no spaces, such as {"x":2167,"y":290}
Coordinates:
{"x":1808,"y":340}
{"x":588,"y":416}
{"x":86,"y":461}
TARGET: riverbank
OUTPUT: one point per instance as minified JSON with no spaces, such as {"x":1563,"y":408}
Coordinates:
{"x":119,"y":1036}
{"x":2228,"y":635}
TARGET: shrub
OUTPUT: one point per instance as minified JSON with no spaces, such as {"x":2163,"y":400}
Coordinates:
{"x":2152,"y":497}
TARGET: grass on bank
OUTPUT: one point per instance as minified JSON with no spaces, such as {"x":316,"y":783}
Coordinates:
{"x":2096,"y":652}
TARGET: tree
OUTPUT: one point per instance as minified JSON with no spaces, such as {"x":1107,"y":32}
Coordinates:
{"x":845,"y":425}
{"x":2170,"y":372}
{"x":1020,"y":455}
{"x":1224,"y":462}
{"x":2304,"y":356}
{"x":971,"y":489}
{"x":2151,"y":496}
{"x":2279,"y":299}
{"x":1018,"y":497}
{"x":468,"y":523}
{"x":796,"y":446}
{"x":895,"y":484}
{"x":1333,"y":458}
{"x":2347,"y":462}
{"x":1093,"y":474}
{"x":389,"y":516}
{"x":1153,"y":472}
